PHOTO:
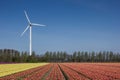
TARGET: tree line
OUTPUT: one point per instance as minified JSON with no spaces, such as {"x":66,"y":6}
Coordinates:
{"x":105,"y":56}
{"x":14,"y":56}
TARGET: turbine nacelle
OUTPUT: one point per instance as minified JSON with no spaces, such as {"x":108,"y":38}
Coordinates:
{"x":30,"y":25}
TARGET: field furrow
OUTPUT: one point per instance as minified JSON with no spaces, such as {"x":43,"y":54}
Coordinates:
{"x":71,"y":74}
{"x":55,"y":74}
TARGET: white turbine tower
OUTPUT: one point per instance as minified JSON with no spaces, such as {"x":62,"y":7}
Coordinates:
{"x":30,"y":25}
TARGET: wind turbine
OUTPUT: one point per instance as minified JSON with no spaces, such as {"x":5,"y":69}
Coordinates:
{"x":30,"y":25}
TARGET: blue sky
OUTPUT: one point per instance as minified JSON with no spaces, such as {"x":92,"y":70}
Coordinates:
{"x":72,"y":25}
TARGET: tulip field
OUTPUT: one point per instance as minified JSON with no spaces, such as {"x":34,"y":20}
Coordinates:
{"x":60,"y":71}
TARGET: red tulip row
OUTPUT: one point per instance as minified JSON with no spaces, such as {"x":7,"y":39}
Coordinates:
{"x":95,"y":71}
{"x":109,"y":64}
{"x":39,"y":74}
{"x":113,"y":72}
{"x":71,"y":74}
{"x":88,"y":73}
{"x":24,"y":74}
{"x":55,"y":74}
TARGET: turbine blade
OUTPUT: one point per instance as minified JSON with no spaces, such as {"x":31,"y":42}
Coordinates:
{"x":35,"y":24}
{"x":27,"y":16}
{"x":25,"y":30}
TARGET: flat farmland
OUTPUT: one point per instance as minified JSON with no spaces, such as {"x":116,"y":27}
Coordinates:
{"x":65,"y":71}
